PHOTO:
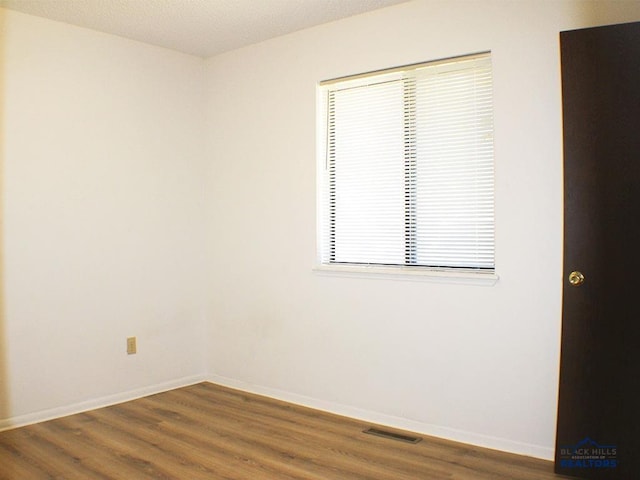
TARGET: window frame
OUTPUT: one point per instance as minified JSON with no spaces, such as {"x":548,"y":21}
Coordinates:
{"x":457,"y":274}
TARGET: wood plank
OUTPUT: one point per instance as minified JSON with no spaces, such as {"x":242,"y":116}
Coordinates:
{"x":207,"y":431}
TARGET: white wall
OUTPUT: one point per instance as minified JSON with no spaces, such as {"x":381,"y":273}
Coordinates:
{"x":469,"y":362}
{"x":102,"y":221}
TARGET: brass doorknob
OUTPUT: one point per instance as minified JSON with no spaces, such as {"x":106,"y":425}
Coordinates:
{"x":576,"y":278}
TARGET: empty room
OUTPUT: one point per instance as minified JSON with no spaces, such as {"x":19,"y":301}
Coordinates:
{"x":318,"y":239}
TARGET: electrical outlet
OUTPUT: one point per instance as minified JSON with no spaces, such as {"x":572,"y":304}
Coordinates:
{"x":131,"y":345}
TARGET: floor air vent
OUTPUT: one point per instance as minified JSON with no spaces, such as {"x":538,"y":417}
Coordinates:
{"x":392,"y":435}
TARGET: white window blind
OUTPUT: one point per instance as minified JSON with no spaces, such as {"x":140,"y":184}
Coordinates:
{"x":407,"y":171}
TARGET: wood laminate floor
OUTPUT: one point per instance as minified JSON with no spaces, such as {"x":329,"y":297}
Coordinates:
{"x":206,"y":431}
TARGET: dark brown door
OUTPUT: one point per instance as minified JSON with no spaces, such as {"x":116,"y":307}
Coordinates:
{"x":598,"y":434}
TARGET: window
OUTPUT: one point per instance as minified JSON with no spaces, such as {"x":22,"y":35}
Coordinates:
{"x":406,"y":167}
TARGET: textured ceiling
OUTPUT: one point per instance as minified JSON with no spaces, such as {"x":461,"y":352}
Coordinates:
{"x":199,"y":27}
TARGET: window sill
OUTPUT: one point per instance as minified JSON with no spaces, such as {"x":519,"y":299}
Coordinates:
{"x":466,"y":277}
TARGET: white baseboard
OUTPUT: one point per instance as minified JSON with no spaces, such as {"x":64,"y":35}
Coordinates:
{"x":471,"y":438}
{"x":44,"y":415}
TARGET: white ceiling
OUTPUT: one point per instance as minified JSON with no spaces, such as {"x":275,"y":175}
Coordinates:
{"x":199,"y":27}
